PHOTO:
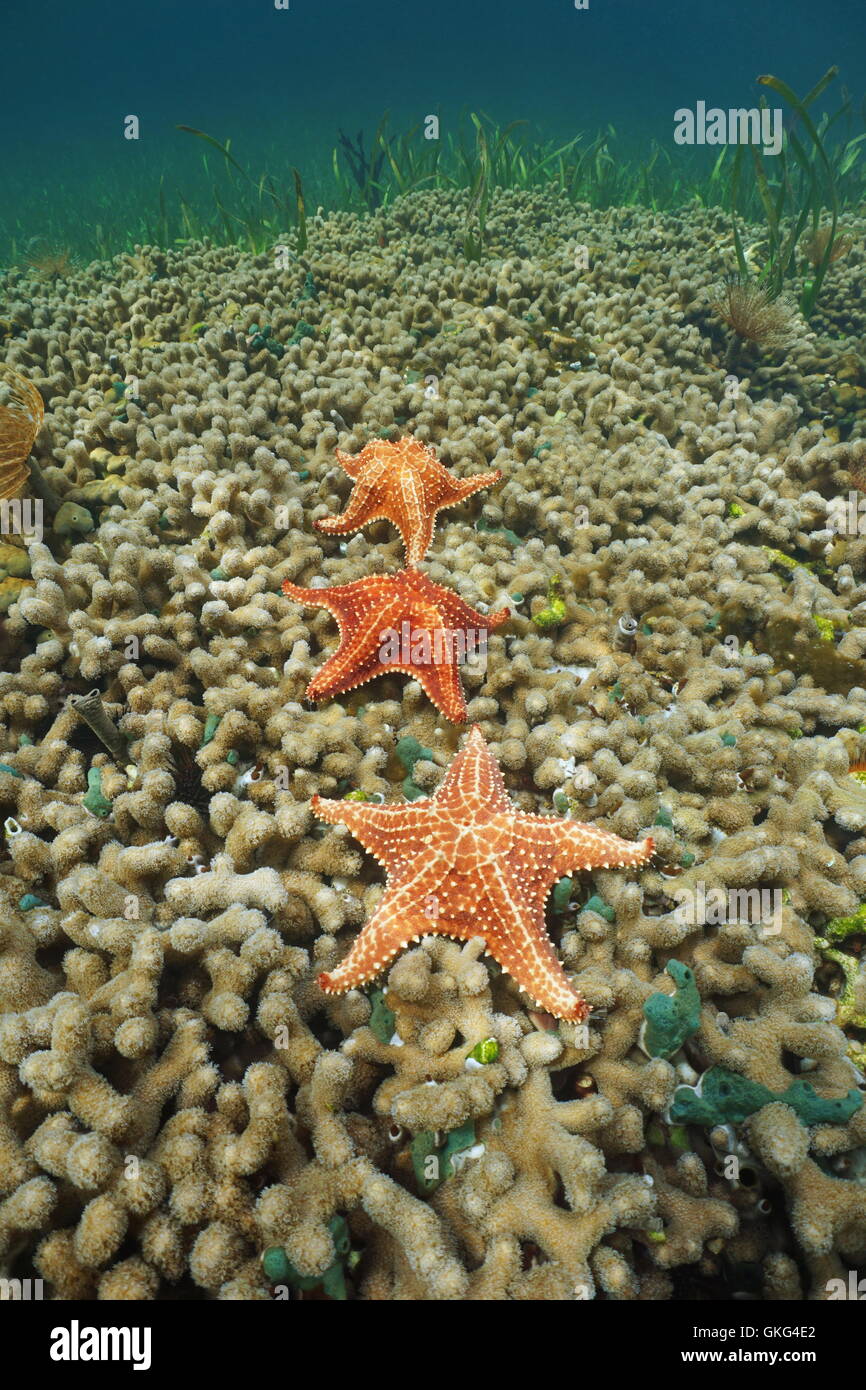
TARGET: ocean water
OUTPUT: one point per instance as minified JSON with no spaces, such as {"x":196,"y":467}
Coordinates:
{"x":280,"y":85}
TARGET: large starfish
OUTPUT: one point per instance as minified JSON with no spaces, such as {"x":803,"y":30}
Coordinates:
{"x":466,"y":862}
{"x":400,"y":622}
{"x":405,"y":483}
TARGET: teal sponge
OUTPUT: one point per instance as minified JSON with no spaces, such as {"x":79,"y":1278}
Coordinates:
{"x":724,"y":1097}
{"x":671,"y":1018}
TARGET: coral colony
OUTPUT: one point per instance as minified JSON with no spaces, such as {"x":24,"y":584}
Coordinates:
{"x":432,"y":740}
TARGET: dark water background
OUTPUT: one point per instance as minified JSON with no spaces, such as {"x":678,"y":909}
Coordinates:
{"x":280,"y":84}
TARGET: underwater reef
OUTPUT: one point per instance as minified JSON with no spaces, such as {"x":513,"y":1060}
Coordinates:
{"x":194,"y":1101}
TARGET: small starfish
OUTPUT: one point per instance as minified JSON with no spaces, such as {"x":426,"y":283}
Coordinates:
{"x":399,"y":622}
{"x":466,"y":862}
{"x":405,"y":483}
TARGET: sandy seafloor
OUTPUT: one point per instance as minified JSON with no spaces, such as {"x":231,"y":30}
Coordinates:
{"x":176,"y":1094}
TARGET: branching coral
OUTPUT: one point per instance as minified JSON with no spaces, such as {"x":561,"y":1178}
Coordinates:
{"x":184,"y":1113}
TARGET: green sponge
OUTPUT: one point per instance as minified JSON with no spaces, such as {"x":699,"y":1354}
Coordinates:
{"x":410,"y":751}
{"x":670,"y":1019}
{"x":724,"y":1097}
{"x":382,"y":1019}
{"x":94,"y":801}
{"x":424,"y":1146}
{"x":278,"y":1268}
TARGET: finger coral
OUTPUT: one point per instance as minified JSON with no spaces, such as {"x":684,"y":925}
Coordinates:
{"x":251,"y":1046}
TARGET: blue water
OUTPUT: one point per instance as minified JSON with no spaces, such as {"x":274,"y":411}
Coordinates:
{"x":281,"y":84}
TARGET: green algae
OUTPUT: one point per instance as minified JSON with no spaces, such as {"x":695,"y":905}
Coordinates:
{"x":679,"y":1138}
{"x":851,"y":1000}
{"x":302,"y":330}
{"x":841,"y":927}
{"x":485,"y":1052}
{"x":29,"y":901}
{"x":263,"y":338}
{"x":426,"y":1162}
{"x":554,"y":613}
{"x":489,"y":529}
{"x":826,"y":629}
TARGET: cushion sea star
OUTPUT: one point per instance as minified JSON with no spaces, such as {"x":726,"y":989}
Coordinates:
{"x":465,"y":863}
{"x":399,"y":622}
{"x":405,"y":483}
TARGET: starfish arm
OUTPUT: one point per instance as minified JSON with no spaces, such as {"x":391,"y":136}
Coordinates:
{"x":333,"y":599}
{"x":365,"y":504}
{"x":350,"y":463}
{"x":474,"y":781}
{"x":559,"y":847}
{"x":358,"y":657}
{"x":360,"y":595}
{"x":417,"y":540}
{"x":336,"y":679}
{"x":458,"y":489}
{"x":394,"y":834}
{"x":363,"y":635}
{"x":414,"y":518}
{"x":516,"y":937}
{"x":399,"y":919}
{"x":343,"y":524}
{"x":441,"y":685}
{"x":458,"y":614}
{"x":309,"y":598}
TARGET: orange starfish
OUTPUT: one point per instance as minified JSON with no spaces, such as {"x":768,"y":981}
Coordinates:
{"x":464,"y":863}
{"x":400,"y":622}
{"x":406,"y":484}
